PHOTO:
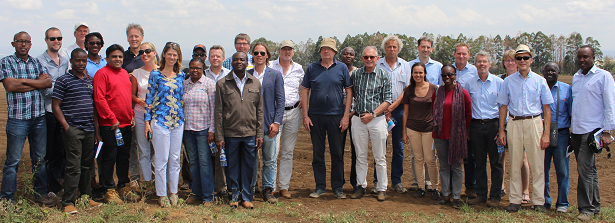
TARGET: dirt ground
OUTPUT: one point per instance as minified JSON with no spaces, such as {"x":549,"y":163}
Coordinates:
{"x":302,"y":182}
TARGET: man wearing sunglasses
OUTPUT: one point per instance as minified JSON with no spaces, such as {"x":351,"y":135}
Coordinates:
{"x":372,"y":97}
{"x":593,"y":93}
{"x":242,"y":44}
{"x":525,"y":95}
{"x":56,"y":65}
{"x":199,"y":51}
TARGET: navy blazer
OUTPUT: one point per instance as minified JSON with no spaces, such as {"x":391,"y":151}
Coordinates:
{"x":273,"y":97}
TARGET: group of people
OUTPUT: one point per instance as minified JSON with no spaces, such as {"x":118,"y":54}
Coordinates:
{"x":134,"y":109}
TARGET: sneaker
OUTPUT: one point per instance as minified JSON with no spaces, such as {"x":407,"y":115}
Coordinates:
{"x":381,"y":196}
{"x":455,"y":204}
{"x":476,"y":201}
{"x":268,"y":195}
{"x":512,"y":208}
{"x":339,"y":194}
{"x":93,"y":203}
{"x":70,"y":209}
{"x":52,"y":195}
{"x":134,"y":185}
{"x":184,"y":186}
{"x":174,"y":199}
{"x":435,"y":195}
{"x":562,"y":209}
{"x":584,"y":217}
{"x":419,"y":193}
{"x":164,"y":202}
{"x":358,"y":193}
{"x":399,"y":188}
{"x":443,"y":201}
{"x":127,"y":194}
{"x":471,"y":193}
{"x":112,"y":197}
{"x":414,"y":186}
{"x":493,"y":203}
{"x":317,"y":193}
{"x":193,"y":201}
{"x":539,"y":208}
{"x":46,"y":200}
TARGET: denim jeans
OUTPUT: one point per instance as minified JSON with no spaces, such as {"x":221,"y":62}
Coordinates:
{"x":201,"y":164}
{"x":240,"y":156}
{"x":270,"y":163}
{"x":562,"y":169}
{"x":16,"y":132}
{"x":451,"y":176}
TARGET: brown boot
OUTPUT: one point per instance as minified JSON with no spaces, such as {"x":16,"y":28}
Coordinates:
{"x":285,"y":194}
{"x":127,"y":194}
{"x":248,"y":205}
{"x":112,"y":197}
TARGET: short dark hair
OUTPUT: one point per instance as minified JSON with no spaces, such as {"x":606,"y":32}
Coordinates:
{"x":95,"y":34}
{"x":77,"y":51}
{"x":425,"y":38}
{"x":114,"y":47}
{"x":590,"y":48}
{"x":449,"y":65}
{"x":197,"y":59}
{"x":50,"y":29}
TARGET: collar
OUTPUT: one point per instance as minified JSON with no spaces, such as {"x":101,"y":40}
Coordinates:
{"x":384,"y":61}
{"x":465,"y":67}
{"x":430,"y":61}
{"x":200,"y":80}
{"x":235,"y":76}
{"x":85,"y":76}
{"x":489,"y":78}
{"x":30,"y":58}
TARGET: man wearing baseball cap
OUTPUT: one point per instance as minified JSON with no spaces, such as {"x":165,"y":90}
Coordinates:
{"x":81,"y":29}
{"x":525,"y":95}
{"x":328,"y":115}
{"x":199,"y":51}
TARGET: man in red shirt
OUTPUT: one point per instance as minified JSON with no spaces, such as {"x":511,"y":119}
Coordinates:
{"x":113,"y":100}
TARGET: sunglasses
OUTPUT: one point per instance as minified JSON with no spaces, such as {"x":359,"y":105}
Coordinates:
{"x":146,"y":51}
{"x":172,"y":44}
{"x":523,"y":58}
{"x":369,"y":57}
{"x":448,"y":75}
{"x":199,"y":54}
{"x":261,"y":52}
{"x":95,"y":43}
{"x":55,"y":38}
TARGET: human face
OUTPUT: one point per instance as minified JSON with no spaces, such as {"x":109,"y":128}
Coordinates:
{"x":170,"y":57}
{"x":462,"y":55}
{"x":115,"y":59}
{"x":585,"y":59}
{"x":147,"y":57}
{"x":260,"y":59}
{"x":81,"y":32}
{"x":199,"y":53}
{"x":392,"y":49}
{"x":55,"y":45}
{"x":287,"y":53}
{"x":94,"y":45}
{"x":482,"y":64}
{"x":79,"y":62}
{"x":348,"y":56}
{"x":239,"y":62}
{"x":448,"y":80}
{"x":551,"y":72}
{"x":134,"y":38}
{"x":22,"y":44}
{"x":510,"y":64}
{"x":242,"y":45}
{"x":196,"y":70}
{"x":215,"y":58}
{"x":424,"y":48}
{"x":370,"y":57}
{"x":418,"y":74}
{"x":524,"y":65}
{"x":327,"y":53}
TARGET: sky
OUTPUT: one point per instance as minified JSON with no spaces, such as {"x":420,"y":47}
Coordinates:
{"x":209,"y":22}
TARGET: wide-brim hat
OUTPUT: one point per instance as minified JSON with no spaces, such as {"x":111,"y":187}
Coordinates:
{"x":329,"y":42}
{"x":522,"y":48}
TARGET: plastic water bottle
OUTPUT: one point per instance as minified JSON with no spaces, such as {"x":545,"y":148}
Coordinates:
{"x":222,"y":158}
{"x":391,"y":123}
{"x":118,"y":137}
{"x":500,"y":147}
{"x":213,"y":148}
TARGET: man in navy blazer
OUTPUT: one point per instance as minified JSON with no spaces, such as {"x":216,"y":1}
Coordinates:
{"x":272,"y":84}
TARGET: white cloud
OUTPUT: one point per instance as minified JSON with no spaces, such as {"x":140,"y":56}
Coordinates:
{"x":68,"y":14}
{"x":83,"y":7}
{"x":26,"y":4}
{"x":588,"y":6}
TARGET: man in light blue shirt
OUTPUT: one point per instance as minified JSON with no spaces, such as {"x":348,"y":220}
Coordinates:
{"x":525,"y":95}
{"x":593,"y":108}
{"x":425,"y":48}
{"x":560,"y":113}
{"x":483,"y":89}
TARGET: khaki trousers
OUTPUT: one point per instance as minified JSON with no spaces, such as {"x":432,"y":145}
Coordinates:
{"x":424,"y":156}
{"x":526,"y":134}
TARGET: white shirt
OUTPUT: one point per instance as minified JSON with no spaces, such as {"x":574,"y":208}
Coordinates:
{"x":292,"y":80}
{"x":66,"y":51}
{"x":240,"y":83}
{"x":593,"y":101}
{"x":216,"y":77}
{"x":142,"y":77}
{"x":400,"y":75}
{"x":258,"y":76}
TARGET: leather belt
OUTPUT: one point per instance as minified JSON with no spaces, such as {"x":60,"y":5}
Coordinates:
{"x":291,"y":107}
{"x":514,"y":118}
{"x":485,"y":121}
{"x":358,"y":115}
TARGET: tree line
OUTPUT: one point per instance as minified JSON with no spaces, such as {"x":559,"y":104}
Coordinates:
{"x":559,"y":49}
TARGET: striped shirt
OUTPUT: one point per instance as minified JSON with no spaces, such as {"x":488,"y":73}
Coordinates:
{"x":400,"y":75}
{"x":165,"y":96}
{"x":370,"y":89}
{"x":199,"y":103}
{"x":23,"y":105}
{"x":227,"y":62}
{"x":77,"y":100}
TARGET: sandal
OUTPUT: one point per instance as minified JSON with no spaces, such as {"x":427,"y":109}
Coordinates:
{"x":525,"y":199}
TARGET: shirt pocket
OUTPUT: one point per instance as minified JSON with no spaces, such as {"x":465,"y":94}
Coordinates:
{"x":492,"y":98}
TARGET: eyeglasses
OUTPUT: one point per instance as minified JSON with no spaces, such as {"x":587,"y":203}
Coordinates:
{"x":95,"y":43}
{"x":261,"y":52}
{"x":199,"y":54}
{"x":19,"y":41}
{"x":55,"y":38}
{"x":146,"y":51}
{"x":196,"y":68}
{"x":242,"y":44}
{"x":448,"y":75}
{"x":523,"y":58}
{"x":369,"y":57}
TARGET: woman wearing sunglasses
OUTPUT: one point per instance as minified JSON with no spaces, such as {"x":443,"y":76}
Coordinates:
{"x":164,"y":121}
{"x":139,"y":79}
{"x":93,"y":44}
{"x":452,"y":111}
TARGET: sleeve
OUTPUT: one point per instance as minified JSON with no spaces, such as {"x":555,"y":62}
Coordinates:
{"x":260,"y":131}
{"x":305,"y":83}
{"x":503,"y":94}
{"x":5,"y":69}
{"x":59,"y":89}
{"x":218,"y":120}
{"x":406,"y":98}
{"x":608,"y":96}
{"x":569,"y":102}
{"x":545,"y":93}
{"x":468,"y":107}
{"x":280,"y":98}
{"x":211,"y":87}
{"x":100,"y":89}
{"x":152,"y":86}
{"x":387,"y":93}
{"x":345,"y":76}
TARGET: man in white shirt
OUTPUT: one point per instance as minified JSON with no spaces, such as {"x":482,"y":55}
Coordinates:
{"x":81,"y":29}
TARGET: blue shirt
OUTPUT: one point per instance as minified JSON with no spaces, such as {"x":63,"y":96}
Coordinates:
{"x":484,"y":96}
{"x":166,"y":97}
{"x":77,"y":100}
{"x":525,"y":97}
{"x":227,"y":62}
{"x":29,"y":104}
{"x":92,"y":67}
{"x":327,"y":86}
{"x":399,"y":76}
{"x":467,"y":72}
{"x":593,"y":103}
{"x":55,"y":71}
{"x":565,"y":104}
{"x":434,"y":69}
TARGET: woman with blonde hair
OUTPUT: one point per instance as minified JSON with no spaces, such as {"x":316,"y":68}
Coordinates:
{"x":164,"y":121}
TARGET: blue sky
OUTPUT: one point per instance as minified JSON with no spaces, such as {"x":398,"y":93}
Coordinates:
{"x":190,"y":22}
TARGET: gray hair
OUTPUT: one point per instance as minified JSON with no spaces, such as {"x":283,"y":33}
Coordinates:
{"x":135,"y":26}
{"x":424,"y":38}
{"x":371,"y":47}
{"x":216,"y":47}
{"x":400,"y":44}
{"x":482,"y":53}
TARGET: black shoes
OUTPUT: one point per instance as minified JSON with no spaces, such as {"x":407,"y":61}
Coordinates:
{"x":419,"y":193}
{"x":358,"y":193}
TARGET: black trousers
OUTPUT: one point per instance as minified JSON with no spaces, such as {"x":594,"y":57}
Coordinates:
{"x":327,"y":126}
{"x":111,"y":155}
{"x":55,"y":155}
{"x":483,"y":144}
{"x":80,"y":149}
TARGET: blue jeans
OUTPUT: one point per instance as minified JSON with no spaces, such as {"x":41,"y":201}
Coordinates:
{"x":240,"y":157}
{"x":201,"y":164}
{"x":16,"y":133}
{"x":270,"y":163}
{"x":562,"y":169}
